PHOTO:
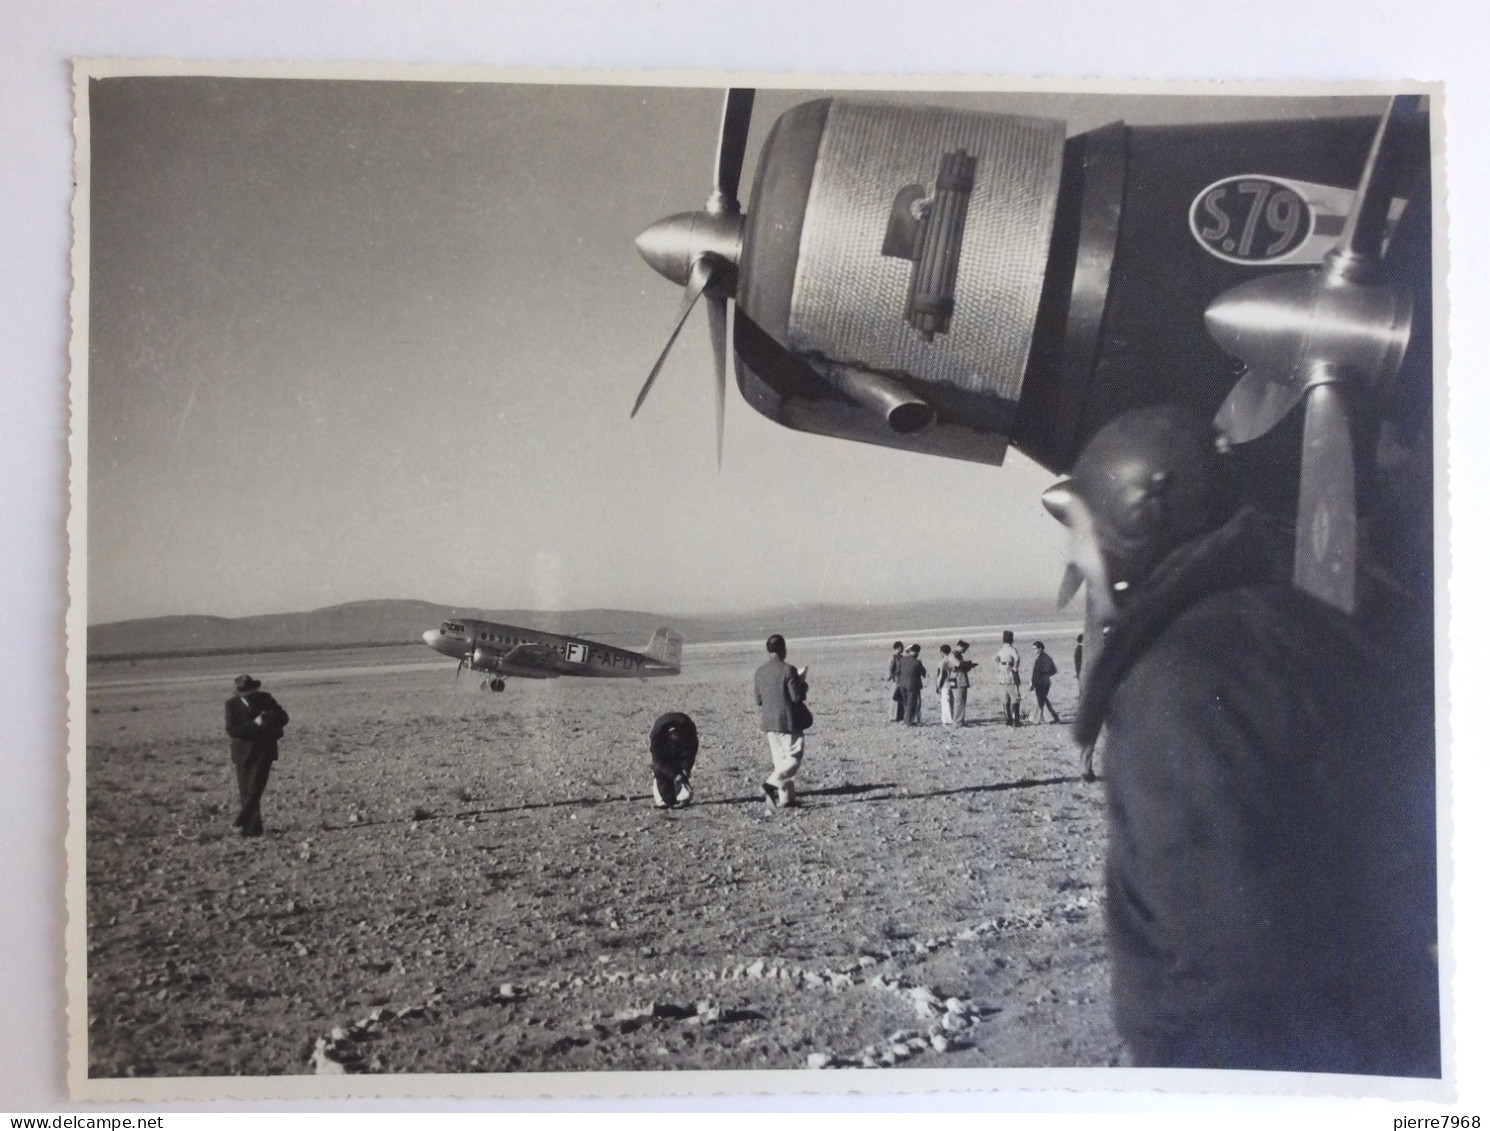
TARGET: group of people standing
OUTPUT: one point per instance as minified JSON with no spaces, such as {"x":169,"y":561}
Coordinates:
{"x":907,"y":676}
{"x":781,"y":696}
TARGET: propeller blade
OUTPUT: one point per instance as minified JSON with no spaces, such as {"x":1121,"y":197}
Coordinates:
{"x":698,"y":279}
{"x":1070,"y":583}
{"x":734,"y":128}
{"x":1365,"y":227}
{"x":1324,"y":541}
{"x":458,"y":665}
{"x":1254,"y":405}
{"x":718,"y":315}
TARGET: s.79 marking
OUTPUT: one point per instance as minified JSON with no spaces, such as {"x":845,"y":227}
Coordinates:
{"x":1250,"y":220}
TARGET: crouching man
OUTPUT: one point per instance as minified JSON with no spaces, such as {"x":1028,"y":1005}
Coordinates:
{"x":1270,"y":869}
{"x":674,"y":743}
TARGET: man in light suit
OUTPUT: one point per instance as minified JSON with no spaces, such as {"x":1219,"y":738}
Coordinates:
{"x":946,"y":679}
{"x":255,"y":723}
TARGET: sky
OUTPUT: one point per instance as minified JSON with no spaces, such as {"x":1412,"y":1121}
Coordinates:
{"x":358,"y":339}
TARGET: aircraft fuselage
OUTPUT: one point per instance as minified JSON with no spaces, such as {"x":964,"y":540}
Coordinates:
{"x":513,"y":651}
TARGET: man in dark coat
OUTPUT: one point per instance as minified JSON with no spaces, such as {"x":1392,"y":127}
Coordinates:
{"x":1271,"y":870}
{"x":674,"y":745}
{"x":781,"y":694}
{"x":911,"y":676}
{"x":897,"y":708}
{"x":255,"y":723}
{"x":1041,"y":673}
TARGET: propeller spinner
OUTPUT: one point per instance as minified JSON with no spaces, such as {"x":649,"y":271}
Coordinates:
{"x":700,"y":251}
{"x":1321,"y":336}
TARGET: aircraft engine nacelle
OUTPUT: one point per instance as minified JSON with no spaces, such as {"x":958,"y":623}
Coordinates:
{"x":891,"y":270}
{"x":950,"y":282}
{"x":484,"y":660}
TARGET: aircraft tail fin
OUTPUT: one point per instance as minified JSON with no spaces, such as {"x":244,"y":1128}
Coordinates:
{"x":666,"y":647}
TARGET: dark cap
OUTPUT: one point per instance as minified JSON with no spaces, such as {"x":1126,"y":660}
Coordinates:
{"x":1040,"y":645}
{"x":1151,"y":480}
{"x":776,"y":644}
{"x":246,"y":683}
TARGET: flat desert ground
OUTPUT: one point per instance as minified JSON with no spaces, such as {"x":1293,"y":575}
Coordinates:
{"x":454,"y":881}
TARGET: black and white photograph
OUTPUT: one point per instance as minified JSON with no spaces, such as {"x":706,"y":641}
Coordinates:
{"x":629,"y":583}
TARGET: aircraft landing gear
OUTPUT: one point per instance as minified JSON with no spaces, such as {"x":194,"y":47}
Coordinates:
{"x":496,"y":685}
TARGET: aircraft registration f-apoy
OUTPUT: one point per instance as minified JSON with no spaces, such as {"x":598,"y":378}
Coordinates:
{"x":507,"y":650}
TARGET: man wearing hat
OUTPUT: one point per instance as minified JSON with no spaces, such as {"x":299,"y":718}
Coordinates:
{"x":1270,"y":869}
{"x":255,"y":723}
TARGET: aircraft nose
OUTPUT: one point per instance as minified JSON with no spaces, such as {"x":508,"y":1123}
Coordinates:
{"x":432,"y":637}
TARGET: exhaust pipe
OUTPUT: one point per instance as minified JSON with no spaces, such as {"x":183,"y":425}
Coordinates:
{"x":900,"y":408}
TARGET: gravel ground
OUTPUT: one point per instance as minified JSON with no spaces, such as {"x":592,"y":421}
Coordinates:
{"x":456,"y":881}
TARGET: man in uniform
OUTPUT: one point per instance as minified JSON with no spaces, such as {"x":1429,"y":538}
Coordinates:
{"x":1271,"y":870}
{"x":255,"y":723}
{"x":1006,"y":677}
{"x":781,"y":694}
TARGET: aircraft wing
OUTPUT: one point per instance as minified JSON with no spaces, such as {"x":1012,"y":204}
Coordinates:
{"x":538,"y":657}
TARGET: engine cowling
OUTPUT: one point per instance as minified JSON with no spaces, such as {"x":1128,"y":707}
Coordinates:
{"x":952,"y":282}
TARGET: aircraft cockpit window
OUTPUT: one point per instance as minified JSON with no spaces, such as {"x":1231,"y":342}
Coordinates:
{"x":452,"y":628}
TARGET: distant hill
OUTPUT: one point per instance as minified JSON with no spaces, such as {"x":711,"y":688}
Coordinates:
{"x":391,"y":622}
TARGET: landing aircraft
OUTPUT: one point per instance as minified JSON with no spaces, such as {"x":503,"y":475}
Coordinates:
{"x":498,"y":650}
{"x":954,"y":282}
